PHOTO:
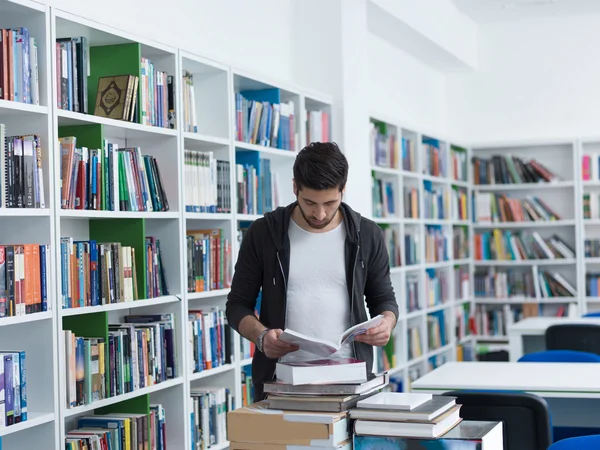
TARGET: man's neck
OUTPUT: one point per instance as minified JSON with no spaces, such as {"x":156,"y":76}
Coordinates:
{"x":298,"y":218}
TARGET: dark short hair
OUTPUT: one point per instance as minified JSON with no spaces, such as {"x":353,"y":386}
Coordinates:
{"x":321,"y":166}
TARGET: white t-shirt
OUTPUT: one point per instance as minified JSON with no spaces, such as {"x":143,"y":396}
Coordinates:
{"x":317,"y":292}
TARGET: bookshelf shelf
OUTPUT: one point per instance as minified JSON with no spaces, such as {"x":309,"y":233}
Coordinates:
{"x":208,"y":216}
{"x":195,"y":137}
{"x":523,"y":186}
{"x":270,"y":151}
{"x":527,"y":262}
{"x":20,"y":109}
{"x":247,"y":217}
{"x":532,"y":224}
{"x":143,"y":303}
{"x":24,"y":212}
{"x":245,"y":362}
{"x":34,"y":419}
{"x":25,"y":319}
{"x":89,"y":214}
{"x":211,"y":372}
{"x":207,"y":294}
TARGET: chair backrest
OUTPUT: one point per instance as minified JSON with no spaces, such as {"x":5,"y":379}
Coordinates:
{"x":593,"y":314}
{"x":574,"y":336}
{"x":578,"y":443}
{"x":525,"y":417}
{"x":560,"y":356}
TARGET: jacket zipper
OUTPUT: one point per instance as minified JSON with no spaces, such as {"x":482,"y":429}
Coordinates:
{"x":352,"y":299}
{"x":285,"y":293}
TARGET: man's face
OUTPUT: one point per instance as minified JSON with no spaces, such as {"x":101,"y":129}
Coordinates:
{"x":318,"y":207}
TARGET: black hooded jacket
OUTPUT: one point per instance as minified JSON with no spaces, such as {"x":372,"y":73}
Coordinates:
{"x":263,"y":262}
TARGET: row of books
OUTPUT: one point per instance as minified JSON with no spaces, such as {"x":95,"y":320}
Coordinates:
{"x":19,"y":73}
{"x":392,"y":243}
{"x":140,"y":352}
{"x":412,"y":247}
{"x":436,"y":244}
{"x":437,"y":332}
{"x":72,"y":70}
{"x":384,"y":201}
{"x":209,"y":336}
{"x":458,"y":163}
{"x":207,"y":183}
{"x":459,"y":204}
{"x":592,"y":284}
{"x":411,"y":202}
{"x":383,"y":144}
{"x":590,"y":166}
{"x":460,"y":242}
{"x":257,"y":187}
{"x":189,"y":118}
{"x":435,"y":158}
{"x":260,"y":120}
{"x":21,"y":171}
{"x":498,"y":245}
{"x":462,"y":283}
{"x":24,"y":279}
{"x":209,"y":260}
{"x":591,"y":248}
{"x":317,"y":126}
{"x":504,"y":284}
{"x":413,"y":297}
{"x":591,"y":205}
{"x":13,"y":388}
{"x":102,"y":273}
{"x":119,"y":430}
{"x":209,"y":408}
{"x":110,"y":178}
{"x":435,"y":201}
{"x":509,"y":169}
{"x":414,"y":343}
{"x":437,"y":287}
{"x":500,"y":208}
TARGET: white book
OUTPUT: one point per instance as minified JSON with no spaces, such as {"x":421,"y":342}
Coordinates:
{"x":394,"y":400}
{"x":321,"y":347}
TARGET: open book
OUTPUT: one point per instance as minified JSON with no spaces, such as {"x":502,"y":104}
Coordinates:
{"x":321,"y":347}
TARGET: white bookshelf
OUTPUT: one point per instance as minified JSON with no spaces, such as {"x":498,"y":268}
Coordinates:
{"x":409,"y":366}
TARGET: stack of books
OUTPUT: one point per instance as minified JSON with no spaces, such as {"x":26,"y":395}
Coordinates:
{"x":394,"y":420}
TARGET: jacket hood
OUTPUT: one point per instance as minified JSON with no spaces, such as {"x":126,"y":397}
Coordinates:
{"x":278,"y":222}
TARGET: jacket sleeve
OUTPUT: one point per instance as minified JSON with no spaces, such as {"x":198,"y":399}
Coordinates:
{"x":247,"y":280}
{"x":379,"y":293}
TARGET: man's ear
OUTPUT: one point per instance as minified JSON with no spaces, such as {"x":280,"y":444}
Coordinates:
{"x":294,"y":187}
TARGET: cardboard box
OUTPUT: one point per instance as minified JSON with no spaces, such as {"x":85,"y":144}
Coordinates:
{"x":254,"y":446}
{"x":258,"y":424}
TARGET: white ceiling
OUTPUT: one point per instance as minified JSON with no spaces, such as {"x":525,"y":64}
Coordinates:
{"x":484,"y":11}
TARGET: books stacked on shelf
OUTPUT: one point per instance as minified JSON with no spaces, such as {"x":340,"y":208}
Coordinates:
{"x":435,"y":201}
{"x":463,"y":322}
{"x":555,"y":285}
{"x":498,"y":208}
{"x":392,"y":243}
{"x":411,"y":202}
{"x":207,"y":183}
{"x":263,"y":119}
{"x":19,"y":73}
{"x":102,"y":273}
{"x":462,"y":283}
{"x":413,"y":297}
{"x":209,"y":338}
{"x":437,"y":287}
{"x":317,"y":126}
{"x":110,"y":178}
{"x":592,"y":284}
{"x":21,"y":172}
{"x":247,"y":348}
{"x":504,"y":284}
{"x":386,"y":356}
{"x":395,"y":414}
{"x":384,"y":149}
{"x":210,"y":406}
{"x":460,"y":242}
{"x":247,"y":387}
{"x":24,"y":275}
{"x":591,"y":248}
{"x":72,"y":63}
{"x":384,"y":198}
{"x":435,"y":160}
{"x":188,"y":96}
{"x":209,"y":260}
{"x":509,"y":169}
{"x":459,"y":204}
{"x":436,"y":244}
{"x":435,"y":361}
{"x":458,"y":163}
{"x":591,"y":205}
{"x":409,"y":155}
{"x":138,"y":353}
{"x":411,"y":246}
{"x":13,"y":388}
{"x":437,"y":331}
{"x":257,"y":185}
{"x":120,"y":430}
{"x":414,"y":342}
{"x":506,"y":245}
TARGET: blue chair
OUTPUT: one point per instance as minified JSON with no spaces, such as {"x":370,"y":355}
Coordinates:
{"x":592,"y":314}
{"x":578,"y":443}
{"x":561,"y":356}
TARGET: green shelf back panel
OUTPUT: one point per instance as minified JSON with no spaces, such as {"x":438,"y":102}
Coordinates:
{"x":135,"y":405}
{"x":88,"y":325}
{"x":113,"y":60}
{"x":89,"y":136}
{"x":381,"y":126}
{"x":129,"y":232}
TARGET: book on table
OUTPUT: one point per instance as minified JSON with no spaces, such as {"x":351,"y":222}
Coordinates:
{"x":342,"y":370}
{"x":374,"y":381}
{"x":324,"y":348}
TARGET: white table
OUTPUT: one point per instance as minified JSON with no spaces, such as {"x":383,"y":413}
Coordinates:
{"x":572,"y":390}
{"x":528,"y":335}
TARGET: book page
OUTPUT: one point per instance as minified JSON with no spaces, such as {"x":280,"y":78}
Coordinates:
{"x":315,"y":346}
{"x":361,"y":328}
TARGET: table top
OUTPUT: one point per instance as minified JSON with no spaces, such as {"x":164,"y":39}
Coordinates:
{"x":538,"y":325}
{"x":572,"y":380}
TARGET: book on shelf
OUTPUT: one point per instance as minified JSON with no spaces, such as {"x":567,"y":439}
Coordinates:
{"x":24,"y":275}
{"x":207,"y":183}
{"x":591,"y":205}
{"x":21,"y":171}
{"x":510,"y":169}
{"x":506,"y":284}
{"x":436,"y":244}
{"x":500,"y":208}
{"x":262,"y":118}
{"x":413,"y":297}
{"x":460,"y":242}
{"x":384,"y":198}
{"x":435,"y":158}
{"x":317,"y":126}
{"x":103,"y":273}
{"x":412,"y":244}
{"x":458,"y":163}
{"x":414,"y":342}
{"x":188,"y":96}
{"x":247,"y":387}
{"x":13,"y":388}
{"x":119,"y":430}
{"x":339,"y":370}
{"x":392,"y":243}
{"x":411,"y":202}
{"x":384,"y":144}
{"x":321,"y":347}
{"x":437,"y":287}
{"x":459,"y":204}
{"x":209,"y":338}
{"x":435,"y":201}
{"x":116,"y":97}
{"x":258,"y":188}
{"x":209,"y":408}
{"x":209,"y":260}
{"x":19,"y":71}
{"x":373,"y":381}
{"x":506,"y":245}
{"x":437,"y":331}
{"x":409,"y":155}
{"x":109,"y":178}
{"x":140,"y":352}
{"x":591,"y":248}
{"x":72,"y":71}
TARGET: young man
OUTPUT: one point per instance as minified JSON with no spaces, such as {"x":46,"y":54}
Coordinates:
{"x":317,"y":261}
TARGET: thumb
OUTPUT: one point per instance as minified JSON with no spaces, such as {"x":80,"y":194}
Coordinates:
{"x":278,"y":332}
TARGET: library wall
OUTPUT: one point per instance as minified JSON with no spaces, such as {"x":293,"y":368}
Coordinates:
{"x":535,"y":79}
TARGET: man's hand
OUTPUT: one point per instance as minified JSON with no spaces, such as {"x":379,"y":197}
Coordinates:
{"x":274,"y":348}
{"x":379,"y":335}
